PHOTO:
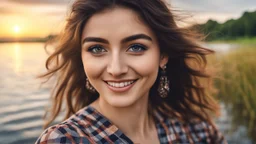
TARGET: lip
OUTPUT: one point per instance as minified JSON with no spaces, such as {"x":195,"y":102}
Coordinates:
{"x":123,"y":89}
{"x":126,"y":80}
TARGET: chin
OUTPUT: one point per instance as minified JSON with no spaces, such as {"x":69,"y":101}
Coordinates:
{"x":121,"y":101}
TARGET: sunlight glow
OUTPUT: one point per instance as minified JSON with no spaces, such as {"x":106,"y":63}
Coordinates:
{"x":16,"y":29}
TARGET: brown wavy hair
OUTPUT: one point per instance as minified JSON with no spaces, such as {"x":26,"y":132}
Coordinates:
{"x":189,"y":95}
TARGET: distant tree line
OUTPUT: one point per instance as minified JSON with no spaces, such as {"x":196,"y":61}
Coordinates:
{"x":245,"y":26}
{"x":29,"y":39}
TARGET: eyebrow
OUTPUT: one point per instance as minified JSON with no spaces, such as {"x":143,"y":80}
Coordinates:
{"x":125,"y":40}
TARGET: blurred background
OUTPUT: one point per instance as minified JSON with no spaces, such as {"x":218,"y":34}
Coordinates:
{"x":25,"y":25}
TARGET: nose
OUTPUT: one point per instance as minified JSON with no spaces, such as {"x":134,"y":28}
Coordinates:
{"x":117,"y":65}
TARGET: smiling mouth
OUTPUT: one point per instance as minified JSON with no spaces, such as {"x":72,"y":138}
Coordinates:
{"x":120,"y":84}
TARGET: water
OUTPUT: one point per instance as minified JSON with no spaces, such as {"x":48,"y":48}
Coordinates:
{"x":23,"y":101}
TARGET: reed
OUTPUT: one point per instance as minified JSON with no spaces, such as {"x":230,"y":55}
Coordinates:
{"x":237,"y":86}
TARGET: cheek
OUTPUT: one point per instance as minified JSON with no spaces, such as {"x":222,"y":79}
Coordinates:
{"x":93,"y":66}
{"x":146,"y":65}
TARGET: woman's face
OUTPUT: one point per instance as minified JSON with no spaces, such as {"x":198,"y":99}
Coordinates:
{"x":121,"y":56}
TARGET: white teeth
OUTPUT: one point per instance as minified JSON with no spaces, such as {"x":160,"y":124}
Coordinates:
{"x":119,"y":85}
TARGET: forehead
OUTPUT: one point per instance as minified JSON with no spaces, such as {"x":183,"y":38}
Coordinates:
{"x":117,"y":21}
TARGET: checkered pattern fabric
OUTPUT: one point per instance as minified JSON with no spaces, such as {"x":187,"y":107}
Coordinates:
{"x":88,"y":126}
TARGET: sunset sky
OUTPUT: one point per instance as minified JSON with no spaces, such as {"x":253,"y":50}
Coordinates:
{"x":39,"y":18}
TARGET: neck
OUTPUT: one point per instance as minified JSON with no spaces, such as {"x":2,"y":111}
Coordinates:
{"x":134,"y":121}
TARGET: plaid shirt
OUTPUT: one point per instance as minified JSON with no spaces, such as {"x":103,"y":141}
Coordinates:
{"x":88,"y":126}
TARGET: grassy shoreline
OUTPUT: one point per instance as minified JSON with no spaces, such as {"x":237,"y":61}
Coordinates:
{"x":236,"y":85}
{"x":241,"y":40}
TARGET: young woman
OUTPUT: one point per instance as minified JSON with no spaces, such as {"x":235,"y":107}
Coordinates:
{"x":127,"y":74}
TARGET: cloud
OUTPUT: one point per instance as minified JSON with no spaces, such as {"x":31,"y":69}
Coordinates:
{"x":36,"y":7}
{"x":40,"y":2}
{"x":220,"y":10}
{"x":4,"y":10}
{"x":221,"y":6}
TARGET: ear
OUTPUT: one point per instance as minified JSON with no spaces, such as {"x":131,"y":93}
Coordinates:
{"x":163,"y":60}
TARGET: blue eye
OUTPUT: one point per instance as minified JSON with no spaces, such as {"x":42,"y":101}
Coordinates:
{"x":137,"y":48}
{"x":97,"y":49}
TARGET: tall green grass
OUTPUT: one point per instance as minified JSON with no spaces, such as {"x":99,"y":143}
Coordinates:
{"x":237,"y":86}
{"x":241,"y":40}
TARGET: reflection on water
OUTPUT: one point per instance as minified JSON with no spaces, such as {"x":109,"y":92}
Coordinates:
{"x":221,"y":47}
{"x":18,"y":62}
{"x":231,"y":126}
{"x":22,"y":101}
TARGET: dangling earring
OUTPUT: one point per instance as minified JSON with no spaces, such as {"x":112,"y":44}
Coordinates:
{"x":89,"y":86}
{"x":163,"y":88}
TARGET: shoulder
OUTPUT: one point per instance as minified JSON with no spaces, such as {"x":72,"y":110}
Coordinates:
{"x":206,"y":131}
{"x":197,"y":131}
{"x":69,"y":131}
{"x":62,"y":133}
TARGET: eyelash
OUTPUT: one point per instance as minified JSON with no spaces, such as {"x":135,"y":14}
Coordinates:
{"x":141,"y":46}
{"x":93,"y":48}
